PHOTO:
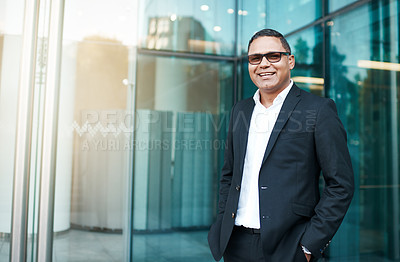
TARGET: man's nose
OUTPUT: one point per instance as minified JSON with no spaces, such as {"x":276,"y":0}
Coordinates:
{"x":265,"y":62}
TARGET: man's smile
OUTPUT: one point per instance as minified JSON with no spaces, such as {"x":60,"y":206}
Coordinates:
{"x":266,"y":74}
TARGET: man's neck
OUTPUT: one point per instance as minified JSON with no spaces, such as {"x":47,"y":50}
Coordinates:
{"x":267,"y":99}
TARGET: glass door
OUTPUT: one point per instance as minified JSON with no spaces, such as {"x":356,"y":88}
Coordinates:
{"x":93,"y":166}
{"x":11,"y":20}
{"x":78,"y":160}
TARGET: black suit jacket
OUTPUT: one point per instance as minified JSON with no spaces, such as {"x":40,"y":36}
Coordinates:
{"x":308,"y":138}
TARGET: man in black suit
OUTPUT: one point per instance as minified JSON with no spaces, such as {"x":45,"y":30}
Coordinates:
{"x":279,"y":141}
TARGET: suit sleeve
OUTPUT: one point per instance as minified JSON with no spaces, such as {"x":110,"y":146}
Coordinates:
{"x":227,"y":169}
{"x":334,"y":160}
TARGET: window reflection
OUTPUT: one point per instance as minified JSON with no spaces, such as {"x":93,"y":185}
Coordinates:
{"x":252,"y":18}
{"x":337,"y":4}
{"x":92,"y":156}
{"x":188,"y":27}
{"x":366,"y":98}
{"x":181,"y":121}
{"x":94,"y":131}
{"x":287,"y":16}
{"x":307,"y":49}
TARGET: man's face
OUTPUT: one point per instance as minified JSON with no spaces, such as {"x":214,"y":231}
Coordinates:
{"x":270,"y":77}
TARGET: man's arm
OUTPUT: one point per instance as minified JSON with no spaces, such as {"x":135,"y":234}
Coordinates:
{"x":334,"y":159}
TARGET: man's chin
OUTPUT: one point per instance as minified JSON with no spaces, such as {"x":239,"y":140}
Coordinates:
{"x":268,"y":88}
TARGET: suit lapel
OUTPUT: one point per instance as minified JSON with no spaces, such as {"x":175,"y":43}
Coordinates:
{"x":288,"y":106}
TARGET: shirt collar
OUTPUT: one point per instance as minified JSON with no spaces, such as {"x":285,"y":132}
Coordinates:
{"x":280,"y":97}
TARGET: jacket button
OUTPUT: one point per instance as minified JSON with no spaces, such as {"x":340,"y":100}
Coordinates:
{"x":237,"y":188}
{"x":233,"y":215}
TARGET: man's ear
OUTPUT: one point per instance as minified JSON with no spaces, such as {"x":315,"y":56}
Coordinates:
{"x":292,"y":61}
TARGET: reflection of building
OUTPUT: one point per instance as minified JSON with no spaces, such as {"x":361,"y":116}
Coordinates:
{"x":100,"y":100}
{"x":179,"y":34}
{"x":171,"y":85}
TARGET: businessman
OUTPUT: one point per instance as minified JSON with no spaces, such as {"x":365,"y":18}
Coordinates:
{"x":270,"y":207}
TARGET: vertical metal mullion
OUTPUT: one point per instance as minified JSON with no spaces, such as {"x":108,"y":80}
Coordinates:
{"x":19,"y":222}
{"x":49,"y":141}
{"x":394,"y":103}
{"x":236,"y":54}
{"x":131,"y":85}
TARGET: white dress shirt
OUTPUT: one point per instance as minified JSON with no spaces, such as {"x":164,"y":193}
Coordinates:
{"x":262,"y":122}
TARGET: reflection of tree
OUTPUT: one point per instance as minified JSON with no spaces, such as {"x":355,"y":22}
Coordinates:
{"x":343,"y":91}
{"x":317,"y":69}
{"x":376,"y":142}
{"x":364,"y":106}
{"x":301,"y":50}
{"x":345,"y":94}
{"x":305,"y":68}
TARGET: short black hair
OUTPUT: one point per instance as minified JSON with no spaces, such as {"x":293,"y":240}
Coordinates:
{"x":272,"y":33}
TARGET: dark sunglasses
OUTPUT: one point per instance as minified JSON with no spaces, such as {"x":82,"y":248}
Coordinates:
{"x":272,"y":57}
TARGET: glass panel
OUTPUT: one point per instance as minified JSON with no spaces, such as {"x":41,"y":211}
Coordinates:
{"x":286,"y":15}
{"x":249,"y":88}
{"x":11,"y":20}
{"x":364,"y":82}
{"x":307,"y":49}
{"x":94,"y":129}
{"x":337,"y":4}
{"x":181,"y":120}
{"x":188,"y":26}
{"x":252,"y":18}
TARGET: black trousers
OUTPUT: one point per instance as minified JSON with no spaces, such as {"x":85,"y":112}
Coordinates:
{"x":244,"y":246}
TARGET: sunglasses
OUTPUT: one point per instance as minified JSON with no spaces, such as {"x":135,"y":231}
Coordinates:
{"x":272,"y":57}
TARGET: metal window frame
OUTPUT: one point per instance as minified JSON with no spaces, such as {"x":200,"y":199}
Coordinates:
{"x":328,"y":16}
{"x":20,"y":200}
{"x":50,"y":131}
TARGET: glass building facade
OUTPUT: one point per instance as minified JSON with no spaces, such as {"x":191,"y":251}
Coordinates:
{"x":113,"y":117}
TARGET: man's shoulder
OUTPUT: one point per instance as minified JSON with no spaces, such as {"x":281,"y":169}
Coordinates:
{"x":317,"y":103}
{"x":244,"y":103}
